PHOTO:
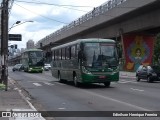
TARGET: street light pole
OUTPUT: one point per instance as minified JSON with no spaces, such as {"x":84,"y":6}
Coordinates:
{"x":4,"y":43}
{"x":17,"y":24}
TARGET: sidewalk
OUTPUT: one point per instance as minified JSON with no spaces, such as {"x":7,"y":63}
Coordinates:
{"x":14,"y":100}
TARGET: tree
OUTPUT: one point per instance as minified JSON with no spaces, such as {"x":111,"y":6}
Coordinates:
{"x":156,"y":55}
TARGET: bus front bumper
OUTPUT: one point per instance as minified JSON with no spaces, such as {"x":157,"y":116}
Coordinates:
{"x":100,"y":78}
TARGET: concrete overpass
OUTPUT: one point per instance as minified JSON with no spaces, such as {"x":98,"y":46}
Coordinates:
{"x":109,"y":21}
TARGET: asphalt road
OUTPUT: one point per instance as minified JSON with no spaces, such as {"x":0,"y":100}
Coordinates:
{"x":125,"y":95}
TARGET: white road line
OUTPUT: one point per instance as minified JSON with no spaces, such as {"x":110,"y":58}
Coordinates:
{"x":61,"y":108}
{"x":47,"y":83}
{"x":37,"y":84}
{"x":137,"y":89}
{"x":125,"y":81}
{"x":117,"y":101}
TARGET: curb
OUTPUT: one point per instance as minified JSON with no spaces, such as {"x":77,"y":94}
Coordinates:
{"x":26,"y":99}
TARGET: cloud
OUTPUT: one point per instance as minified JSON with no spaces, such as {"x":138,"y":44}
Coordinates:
{"x":47,"y":18}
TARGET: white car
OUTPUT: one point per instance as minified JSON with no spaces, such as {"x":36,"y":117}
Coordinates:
{"x":47,"y":67}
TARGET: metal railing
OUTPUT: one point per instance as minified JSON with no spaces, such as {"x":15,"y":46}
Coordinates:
{"x":90,"y":15}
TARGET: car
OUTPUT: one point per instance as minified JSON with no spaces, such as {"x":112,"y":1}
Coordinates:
{"x":47,"y":67}
{"x":17,"y":67}
{"x":150,"y":73}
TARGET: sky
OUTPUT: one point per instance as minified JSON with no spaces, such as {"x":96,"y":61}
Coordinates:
{"x":47,"y":16}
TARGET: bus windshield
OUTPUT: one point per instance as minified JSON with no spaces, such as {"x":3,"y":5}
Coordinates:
{"x":100,"y":54}
{"x":36,"y":58}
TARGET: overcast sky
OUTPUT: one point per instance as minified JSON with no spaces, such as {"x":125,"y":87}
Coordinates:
{"x":48,"y":17}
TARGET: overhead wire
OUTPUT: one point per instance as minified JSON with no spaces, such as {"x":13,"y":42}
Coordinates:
{"x":41,"y":15}
{"x":47,"y":17}
{"x":51,"y":18}
{"x":58,"y":5}
{"x":52,"y":4}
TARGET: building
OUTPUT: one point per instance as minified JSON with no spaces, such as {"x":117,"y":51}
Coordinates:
{"x":30,"y":44}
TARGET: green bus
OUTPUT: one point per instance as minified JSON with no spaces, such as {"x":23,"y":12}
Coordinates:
{"x":91,"y":60}
{"x":32,"y":60}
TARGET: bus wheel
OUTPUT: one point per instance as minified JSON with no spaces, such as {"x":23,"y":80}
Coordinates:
{"x":76,"y":83}
{"x":107,"y":84}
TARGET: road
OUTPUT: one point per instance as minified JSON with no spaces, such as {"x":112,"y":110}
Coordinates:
{"x":126,"y":95}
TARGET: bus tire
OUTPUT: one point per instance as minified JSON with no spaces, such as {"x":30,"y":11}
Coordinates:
{"x":107,"y":84}
{"x":76,"y":83}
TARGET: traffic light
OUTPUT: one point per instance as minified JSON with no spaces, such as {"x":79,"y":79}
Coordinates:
{"x":15,"y":46}
{"x":12,"y":46}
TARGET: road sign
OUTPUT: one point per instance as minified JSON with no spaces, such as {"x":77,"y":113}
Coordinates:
{"x":15,"y":37}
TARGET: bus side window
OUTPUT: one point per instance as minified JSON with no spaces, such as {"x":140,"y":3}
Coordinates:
{"x":57,"y":54}
{"x":79,"y":55}
{"x":68,"y":53}
{"x":63,"y":53}
{"x":53,"y":55}
{"x":77,"y":50}
{"x":60,"y":54}
{"x":73,"y":52}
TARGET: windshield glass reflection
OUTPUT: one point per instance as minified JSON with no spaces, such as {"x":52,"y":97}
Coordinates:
{"x":36,"y":58}
{"x":100,"y":54}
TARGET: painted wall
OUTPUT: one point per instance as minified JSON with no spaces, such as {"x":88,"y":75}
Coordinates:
{"x":138,"y":50}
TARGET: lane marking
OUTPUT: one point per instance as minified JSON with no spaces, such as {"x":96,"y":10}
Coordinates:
{"x":118,"y":101}
{"x":136,"y":89}
{"x":127,"y":81}
{"x":61,"y":108}
{"x":37,"y":84}
{"x":47,"y":83}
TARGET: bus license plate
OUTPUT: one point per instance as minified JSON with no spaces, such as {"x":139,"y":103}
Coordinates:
{"x":102,"y":77}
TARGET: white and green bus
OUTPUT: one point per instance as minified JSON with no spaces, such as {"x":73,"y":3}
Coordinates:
{"x":33,"y":60}
{"x":86,"y":61}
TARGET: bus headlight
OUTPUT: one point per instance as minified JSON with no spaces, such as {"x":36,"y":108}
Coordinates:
{"x":85,"y":71}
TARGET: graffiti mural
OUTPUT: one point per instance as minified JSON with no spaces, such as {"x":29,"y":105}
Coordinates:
{"x":138,"y":50}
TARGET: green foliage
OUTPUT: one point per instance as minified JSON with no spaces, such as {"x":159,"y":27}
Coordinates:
{"x":156,"y":50}
{"x":2,"y":86}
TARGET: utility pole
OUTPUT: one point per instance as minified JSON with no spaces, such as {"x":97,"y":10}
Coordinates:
{"x":4,"y":43}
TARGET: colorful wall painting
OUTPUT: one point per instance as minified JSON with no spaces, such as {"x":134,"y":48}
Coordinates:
{"x":138,"y":50}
